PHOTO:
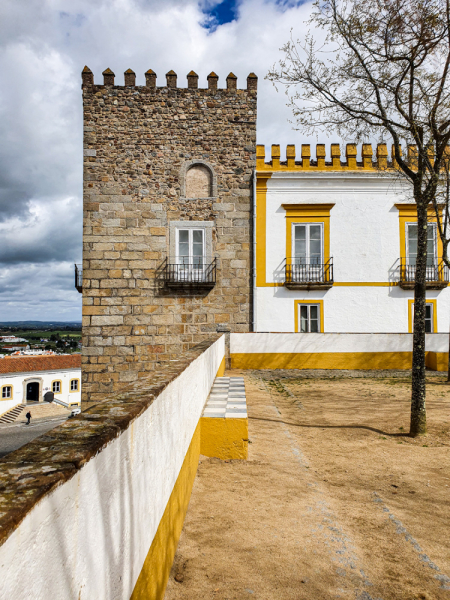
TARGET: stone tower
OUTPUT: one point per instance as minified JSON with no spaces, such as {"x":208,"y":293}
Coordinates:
{"x":167,"y":220}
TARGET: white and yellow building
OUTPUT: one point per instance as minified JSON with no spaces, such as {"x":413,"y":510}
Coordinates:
{"x":26,"y":380}
{"x":335,"y":246}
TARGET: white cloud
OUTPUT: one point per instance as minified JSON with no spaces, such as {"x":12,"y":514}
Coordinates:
{"x":44,"y":44}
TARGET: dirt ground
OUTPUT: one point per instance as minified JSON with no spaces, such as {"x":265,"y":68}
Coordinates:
{"x":335,"y":501}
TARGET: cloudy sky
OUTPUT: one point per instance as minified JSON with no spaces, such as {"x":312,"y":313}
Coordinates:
{"x":44,"y":44}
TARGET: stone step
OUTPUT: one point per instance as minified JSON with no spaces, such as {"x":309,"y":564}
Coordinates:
{"x":224,"y":422}
{"x":226,"y":399}
{"x":12,"y":414}
{"x":44,"y":410}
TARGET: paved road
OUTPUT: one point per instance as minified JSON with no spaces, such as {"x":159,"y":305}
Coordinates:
{"x":16,"y":435}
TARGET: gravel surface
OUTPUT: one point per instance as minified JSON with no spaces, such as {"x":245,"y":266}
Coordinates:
{"x":335,"y":500}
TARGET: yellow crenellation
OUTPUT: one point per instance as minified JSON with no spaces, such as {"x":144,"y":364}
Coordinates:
{"x":337,"y":162}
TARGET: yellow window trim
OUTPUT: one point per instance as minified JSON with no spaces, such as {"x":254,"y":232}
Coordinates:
{"x":60,"y":386}
{"x":312,"y":301}
{"x":12,"y":392}
{"x":70,"y":386}
{"x":261,"y":233}
{"x":308,"y":213}
{"x":407,"y":213}
{"x":303,"y":210}
{"x":410,"y":315}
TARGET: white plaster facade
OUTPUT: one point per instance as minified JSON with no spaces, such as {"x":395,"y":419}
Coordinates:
{"x":364,"y":236}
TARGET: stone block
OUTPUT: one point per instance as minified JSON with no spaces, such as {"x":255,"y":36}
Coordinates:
{"x":238,"y":264}
{"x":158,"y":231}
{"x":107,"y":320}
{"x":95,"y":310}
{"x":222,"y":318}
{"x":165,"y":319}
{"x":113,"y":283}
{"x":148,"y":310}
{"x":115,"y":273}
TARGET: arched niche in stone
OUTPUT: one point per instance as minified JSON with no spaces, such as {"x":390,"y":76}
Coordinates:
{"x":198,"y":180}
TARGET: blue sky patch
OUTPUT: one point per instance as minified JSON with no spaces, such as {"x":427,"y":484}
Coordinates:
{"x":219,"y":14}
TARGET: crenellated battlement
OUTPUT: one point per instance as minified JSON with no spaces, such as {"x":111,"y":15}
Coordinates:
{"x":87,"y":77}
{"x":349,"y":162}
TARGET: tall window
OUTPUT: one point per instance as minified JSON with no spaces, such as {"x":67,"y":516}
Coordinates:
{"x":191,"y":247}
{"x":56,"y":387}
{"x":309,"y":318}
{"x":307,"y":244}
{"x":74,"y":385}
{"x":412,"y":244}
{"x":6,"y":392}
{"x":428,"y":318}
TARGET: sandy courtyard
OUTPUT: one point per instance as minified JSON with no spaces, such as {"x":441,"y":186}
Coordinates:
{"x":335,"y":500}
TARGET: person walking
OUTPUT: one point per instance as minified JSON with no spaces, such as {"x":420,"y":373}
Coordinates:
{"x":28,"y":416}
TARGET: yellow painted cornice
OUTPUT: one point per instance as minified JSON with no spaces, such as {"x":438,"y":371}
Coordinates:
{"x":303,"y":210}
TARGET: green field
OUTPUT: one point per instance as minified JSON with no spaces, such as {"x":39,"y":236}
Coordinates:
{"x":35,"y":334}
{"x":56,"y":338}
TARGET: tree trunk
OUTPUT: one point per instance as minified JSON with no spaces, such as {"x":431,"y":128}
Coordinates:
{"x":418,"y":412}
{"x":448,"y":366}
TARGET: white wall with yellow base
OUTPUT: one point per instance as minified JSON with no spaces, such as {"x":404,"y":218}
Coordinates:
{"x":333,"y":350}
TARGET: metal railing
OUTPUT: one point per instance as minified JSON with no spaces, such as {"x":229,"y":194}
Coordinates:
{"x":436,"y":271}
{"x":188,"y":274}
{"x":297,"y":271}
{"x":79,"y":278}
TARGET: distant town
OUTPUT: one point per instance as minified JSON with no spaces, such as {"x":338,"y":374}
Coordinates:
{"x":31,"y":338}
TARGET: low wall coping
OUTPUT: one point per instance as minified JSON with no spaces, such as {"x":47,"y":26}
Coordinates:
{"x":36,"y":469}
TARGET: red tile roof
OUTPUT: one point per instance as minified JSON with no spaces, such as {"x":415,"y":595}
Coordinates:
{"x":25,"y":364}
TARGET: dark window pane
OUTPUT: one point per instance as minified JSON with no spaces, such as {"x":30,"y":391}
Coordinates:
{"x":304,"y":319}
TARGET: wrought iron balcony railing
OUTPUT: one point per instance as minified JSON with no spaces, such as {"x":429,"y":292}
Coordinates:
{"x":79,"y":278}
{"x":299,"y":274}
{"x":436,"y":274}
{"x":189,"y":274}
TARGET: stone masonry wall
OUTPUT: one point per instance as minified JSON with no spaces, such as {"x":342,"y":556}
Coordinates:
{"x":138,"y":143}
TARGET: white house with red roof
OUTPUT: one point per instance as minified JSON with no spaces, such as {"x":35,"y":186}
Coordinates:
{"x":26,"y":380}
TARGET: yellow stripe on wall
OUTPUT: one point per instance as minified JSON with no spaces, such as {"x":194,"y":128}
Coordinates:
{"x":261,"y":195}
{"x":221,"y":370}
{"x":322,"y":360}
{"x":152,"y":580}
{"x":437,"y":361}
{"x":224,"y":438}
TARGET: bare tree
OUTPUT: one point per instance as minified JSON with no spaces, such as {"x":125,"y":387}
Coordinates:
{"x":441,"y":205}
{"x":381,"y":72}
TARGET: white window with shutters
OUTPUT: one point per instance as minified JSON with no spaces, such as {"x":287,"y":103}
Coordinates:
{"x":307,"y":242}
{"x":411,"y":241}
{"x":190,"y":253}
{"x":309,"y":318}
{"x":191,"y":247}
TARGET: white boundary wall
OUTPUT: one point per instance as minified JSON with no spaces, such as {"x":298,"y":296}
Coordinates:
{"x":293,"y":343}
{"x":88,"y":539}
